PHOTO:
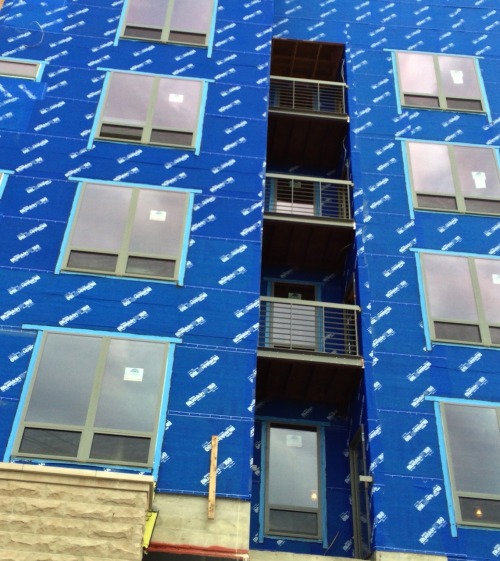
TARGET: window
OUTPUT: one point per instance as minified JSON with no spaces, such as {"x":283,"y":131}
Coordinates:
{"x":472,"y":442}
{"x":128,"y":231}
{"x":463,"y":298}
{"x":15,"y":68}
{"x":150,"y":110}
{"x":293,"y":495}
{"x":439,"y":82}
{"x":93,"y":399}
{"x":172,"y":21}
{"x":453,"y":177}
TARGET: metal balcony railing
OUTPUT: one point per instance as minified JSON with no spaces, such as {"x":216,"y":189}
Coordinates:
{"x":308,"y":196}
{"x":310,"y":326}
{"x":291,"y":94}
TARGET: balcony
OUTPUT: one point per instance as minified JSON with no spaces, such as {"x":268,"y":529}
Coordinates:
{"x":308,"y":97}
{"x":308,"y":351}
{"x":308,"y":222}
{"x":307,"y":198}
{"x":309,"y":327}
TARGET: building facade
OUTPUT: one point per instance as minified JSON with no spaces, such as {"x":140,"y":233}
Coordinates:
{"x":250,"y":292}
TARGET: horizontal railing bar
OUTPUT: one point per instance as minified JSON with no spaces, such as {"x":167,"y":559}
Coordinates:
{"x":291,"y":301}
{"x":309,"y":178}
{"x":309,"y":81}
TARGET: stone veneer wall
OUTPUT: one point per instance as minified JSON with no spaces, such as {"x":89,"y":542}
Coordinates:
{"x":56,"y":514}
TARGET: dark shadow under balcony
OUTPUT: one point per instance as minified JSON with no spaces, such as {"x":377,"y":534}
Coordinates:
{"x":308,"y":223}
{"x":308,"y":352}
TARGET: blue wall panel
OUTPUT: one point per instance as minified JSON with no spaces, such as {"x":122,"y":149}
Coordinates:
{"x":46,"y":146}
{"x":408,"y":496}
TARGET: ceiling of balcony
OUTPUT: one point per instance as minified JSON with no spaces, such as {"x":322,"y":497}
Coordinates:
{"x":307,"y":59}
{"x":306,"y":246}
{"x":296,"y":142}
{"x":309,"y":383}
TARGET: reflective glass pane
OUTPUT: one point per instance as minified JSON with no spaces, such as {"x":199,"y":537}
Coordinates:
{"x":148,"y":13}
{"x":293,"y":522}
{"x":132,"y":385}
{"x":50,"y":442}
{"x":20,"y":69}
{"x":417,"y":74}
{"x":473,"y":438}
{"x":293,"y":468}
{"x":158,"y":227}
{"x":86,"y":261}
{"x":102,"y":216}
{"x":164,"y":268}
{"x":128,"y":98}
{"x":430,"y":168}
{"x":192,"y":15}
{"x":448,"y":288}
{"x":116,"y":448}
{"x":488,"y":273}
{"x":64,"y":380}
{"x":478,"y":172}
{"x":177,"y":104}
{"x":482,"y":511}
{"x":458,"y":76}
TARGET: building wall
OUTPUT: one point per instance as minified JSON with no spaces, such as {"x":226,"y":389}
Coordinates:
{"x":44,"y":131}
{"x":410,"y":511}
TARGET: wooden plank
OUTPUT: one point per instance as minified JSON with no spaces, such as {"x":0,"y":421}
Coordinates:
{"x":213,"y":478}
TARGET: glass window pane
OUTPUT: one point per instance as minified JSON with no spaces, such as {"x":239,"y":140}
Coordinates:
{"x":140,"y":266}
{"x":448,"y":288}
{"x":159,"y":223}
{"x":488,"y":273}
{"x":128,"y":99}
{"x":132,"y":385}
{"x":417,"y":74}
{"x":177,"y":104}
{"x":50,"y":442}
{"x":482,"y":511}
{"x":63,"y":385}
{"x":148,"y":13}
{"x":458,"y":76}
{"x":431,"y":168}
{"x":292,"y":522}
{"x":473,"y":437}
{"x":192,"y":15}
{"x":116,"y":448}
{"x":293,"y":468}
{"x":84,"y":260}
{"x":102,"y":216}
{"x":478,"y":172}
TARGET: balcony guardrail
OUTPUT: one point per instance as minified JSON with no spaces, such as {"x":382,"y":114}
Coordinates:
{"x":314,"y":96}
{"x":308,"y":196}
{"x":308,"y":326}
